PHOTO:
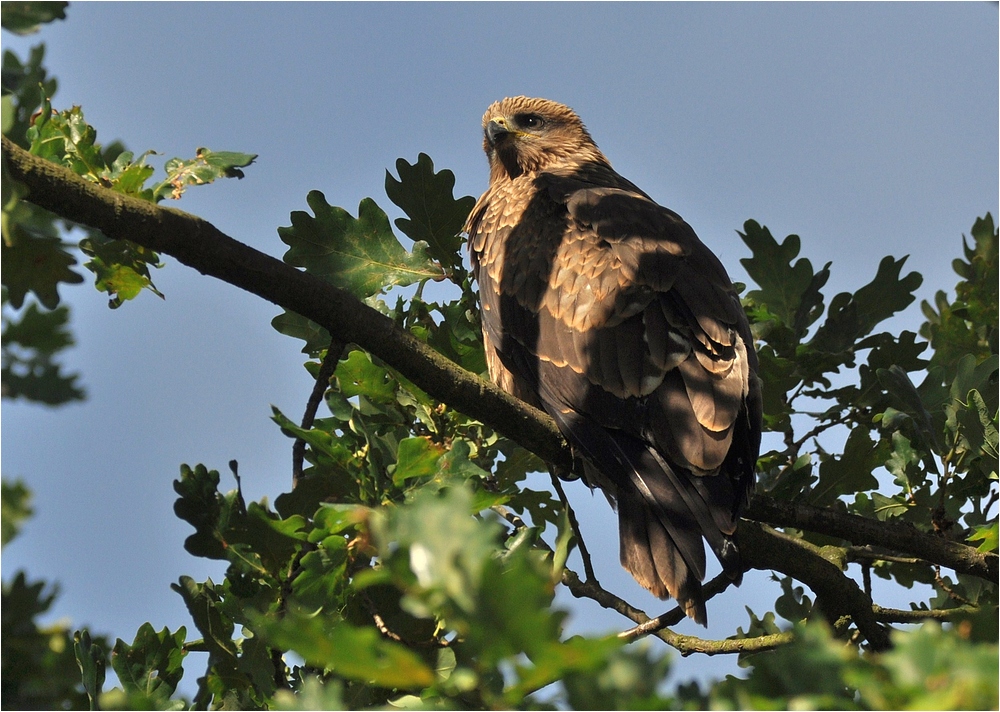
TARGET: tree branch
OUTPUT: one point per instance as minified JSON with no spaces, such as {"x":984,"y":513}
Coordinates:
{"x":897,"y":536}
{"x":326,"y":370}
{"x":837,"y":594}
{"x":685,"y":644}
{"x":199,"y":244}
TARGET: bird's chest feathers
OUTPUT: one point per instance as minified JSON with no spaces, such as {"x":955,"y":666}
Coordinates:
{"x":534,"y":253}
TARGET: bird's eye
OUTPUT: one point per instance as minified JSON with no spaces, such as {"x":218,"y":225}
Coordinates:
{"x":529,"y":121}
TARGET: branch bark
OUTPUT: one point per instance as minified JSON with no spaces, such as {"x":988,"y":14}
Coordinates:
{"x":897,"y":536}
{"x":837,"y":594}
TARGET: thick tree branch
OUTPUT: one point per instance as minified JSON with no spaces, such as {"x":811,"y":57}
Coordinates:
{"x":837,"y":594}
{"x":896,"y":536}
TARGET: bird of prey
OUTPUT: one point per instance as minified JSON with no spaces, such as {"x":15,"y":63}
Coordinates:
{"x":606,"y":311}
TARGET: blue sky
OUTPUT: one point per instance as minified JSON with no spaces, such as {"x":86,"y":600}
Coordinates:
{"x":868,"y":129}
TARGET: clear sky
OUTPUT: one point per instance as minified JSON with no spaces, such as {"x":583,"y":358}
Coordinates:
{"x":868,"y":129}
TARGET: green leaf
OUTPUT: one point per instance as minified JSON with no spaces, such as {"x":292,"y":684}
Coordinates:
{"x":354,"y":653}
{"x":851,"y":317}
{"x":359,"y":254}
{"x":291,"y":324}
{"x":618,"y":679}
{"x":979,"y":431}
{"x":904,"y":462}
{"x":151,"y":666}
{"x":206,"y":167}
{"x":850,"y":473}
{"x":121,"y":267}
{"x":25,"y":18}
{"x":313,"y":695}
{"x":888,"y":507}
{"x":36,"y":264}
{"x":561,"y":551}
{"x":446,"y":559}
{"x":988,"y":535}
{"x":513,"y":610}
{"x":358,"y":375}
{"x":929,"y":668}
{"x":15,"y":508}
{"x":416,"y":458}
{"x":90,"y":657}
{"x":434,"y":216}
{"x":791,"y":292}
{"x":202,"y":601}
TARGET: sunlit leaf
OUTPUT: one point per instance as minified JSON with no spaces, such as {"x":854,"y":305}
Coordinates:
{"x":355,"y":653}
{"x":151,"y":665}
{"x":359,"y":254}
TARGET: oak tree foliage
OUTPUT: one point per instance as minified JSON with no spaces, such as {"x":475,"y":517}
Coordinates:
{"x":411,"y":565}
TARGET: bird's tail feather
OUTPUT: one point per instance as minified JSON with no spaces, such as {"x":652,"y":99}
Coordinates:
{"x":662,"y":514}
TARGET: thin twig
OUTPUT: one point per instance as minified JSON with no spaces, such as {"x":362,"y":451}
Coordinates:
{"x":860,"y":554}
{"x":326,"y":369}
{"x":674,"y":616}
{"x":952,"y":593}
{"x":588,"y":567}
{"x":894,"y":615}
{"x":685,"y":644}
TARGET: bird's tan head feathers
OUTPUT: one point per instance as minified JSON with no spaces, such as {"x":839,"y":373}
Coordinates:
{"x":524,"y":135}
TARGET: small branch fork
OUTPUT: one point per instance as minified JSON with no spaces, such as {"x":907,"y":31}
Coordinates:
{"x":200,"y":245}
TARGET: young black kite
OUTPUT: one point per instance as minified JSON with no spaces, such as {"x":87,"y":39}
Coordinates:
{"x":605,"y":310}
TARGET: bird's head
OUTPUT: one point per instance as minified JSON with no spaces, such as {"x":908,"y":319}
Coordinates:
{"x":524,"y":135}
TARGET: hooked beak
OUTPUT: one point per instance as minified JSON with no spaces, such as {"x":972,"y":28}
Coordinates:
{"x":495,"y":129}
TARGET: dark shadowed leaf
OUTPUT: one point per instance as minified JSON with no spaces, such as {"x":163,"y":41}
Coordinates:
{"x":14,"y":508}
{"x":850,"y":473}
{"x":24,"y":18}
{"x":852,"y":317}
{"x":36,"y":264}
{"x":29,"y":345}
{"x":434,"y":215}
{"x":93,"y":664}
{"x":790,"y":291}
